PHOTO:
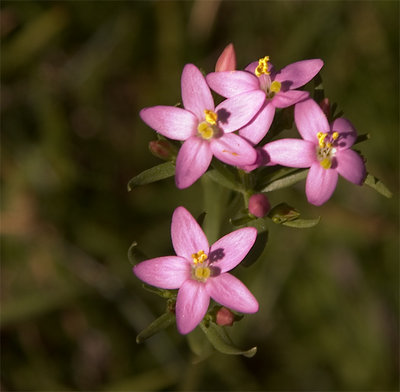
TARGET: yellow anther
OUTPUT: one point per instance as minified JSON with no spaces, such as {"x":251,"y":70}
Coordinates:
{"x":321,"y":139}
{"x":199,"y":257}
{"x":205,"y":130}
{"x":262,"y":67}
{"x":329,"y":145}
{"x":211,"y":117}
{"x":326,"y":163}
{"x":275,"y":86}
{"x":202,"y":273}
{"x":335,"y":135}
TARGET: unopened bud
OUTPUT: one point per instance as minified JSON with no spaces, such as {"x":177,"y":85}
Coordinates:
{"x":227,"y":60}
{"x":326,"y":107}
{"x":163,"y":149}
{"x":225,"y":317}
{"x":283,"y":213}
{"x":259,"y":205}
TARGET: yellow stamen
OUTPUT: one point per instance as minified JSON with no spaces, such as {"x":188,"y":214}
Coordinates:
{"x":262,"y":67}
{"x":335,"y":135}
{"x":202,"y":273}
{"x":199,"y":257}
{"x":321,"y":139}
{"x":211,"y":117}
{"x":326,"y":163}
{"x":205,"y":130}
{"x":275,"y":86}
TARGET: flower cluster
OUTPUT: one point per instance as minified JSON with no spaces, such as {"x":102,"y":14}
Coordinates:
{"x":199,"y":133}
{"x":252,"y":97}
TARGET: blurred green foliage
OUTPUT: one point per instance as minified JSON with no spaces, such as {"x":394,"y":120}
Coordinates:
{"x":74,"y":77}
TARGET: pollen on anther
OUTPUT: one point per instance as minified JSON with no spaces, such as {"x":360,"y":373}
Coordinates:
{"x":211,"y":117}
{"x":262,"y":67}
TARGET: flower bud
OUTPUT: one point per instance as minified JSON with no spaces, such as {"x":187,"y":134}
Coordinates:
{"x":163,"y":149}
{"x":227,"y":60}
{"x":325,"y":106}
{"x":225,"y":317}
{"x":259,"y":205}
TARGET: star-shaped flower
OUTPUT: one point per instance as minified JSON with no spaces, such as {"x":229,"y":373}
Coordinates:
{"x":279,"y":89}
{"x":205,"y":129}
{"x":200,"y":271}
{"x":325,"y":150}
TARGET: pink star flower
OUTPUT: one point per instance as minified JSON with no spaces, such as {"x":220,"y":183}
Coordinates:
{"x":279,"y":89}
{"x":200,"y":271}
{"x":325,"y":150}
{"x":205,"y":129}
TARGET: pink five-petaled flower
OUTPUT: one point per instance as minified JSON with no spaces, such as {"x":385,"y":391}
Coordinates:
{"x":206,"y":130}
{"x":279,"y":89}
{"x":200,"y":271}
{"x":325,"y":150}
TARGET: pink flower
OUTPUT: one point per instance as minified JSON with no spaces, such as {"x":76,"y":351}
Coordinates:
{"x":325,"y":150}
{"x":200,"y":271}
{"x":227,"y":60}
{"x":206,"y":130}
{"x":279,"y":89}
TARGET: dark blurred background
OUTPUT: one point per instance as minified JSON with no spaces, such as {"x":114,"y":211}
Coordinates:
{"x":74,"y":76}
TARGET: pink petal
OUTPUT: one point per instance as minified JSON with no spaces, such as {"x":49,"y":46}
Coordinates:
{"x":235,"y":112}
{"x":196,"y":95}
{"x":257,"y":128}
{"x":227,"y":60}
{"x":187,"y":235}
{"x":351,"y":166}
{"x":252,"y":67}
{"x":288,"y":98}
{"x":193,"y":160}
{"x":174,"y":123}
{"x":299,"y":73}
{"x":191,"y":305}
{"x":167,"y":272}
{"x":320,"y":184}
{"x":231,"y":83}
{"x":233,"y":150}
{"x":232,"y":293}
{"x":347,"y":133}
{"x":291,"y":152}
{"x":310,"y":119}
{"x":231,"y":249}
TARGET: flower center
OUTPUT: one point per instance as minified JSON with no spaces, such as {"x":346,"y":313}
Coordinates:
{"x":208,"y":128}
{"x":262,"y":67}
{"x":326,"y":148}
{"x":201,"y":271}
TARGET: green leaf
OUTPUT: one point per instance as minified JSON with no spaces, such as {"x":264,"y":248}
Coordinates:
{"x":241,"y":221}
{"x":168,"y":294}
{"x":163,"y":322}
{"x":302,"y":223}
{"x":259,"y":245}
{"x":378,"y":185}
{"x":156,"y":173}
{"x":225,"y":179}
{"x":286,"y":180}
{"x":222,"y":342}
{"x":135,"y":255}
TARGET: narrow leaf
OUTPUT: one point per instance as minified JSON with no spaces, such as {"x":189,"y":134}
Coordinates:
{"x":164,"y":321}
{"x":286,"y":181}
{"x":156,"y":173}
{"x":135,"y":255}
{"x":302,"y":223}
{"x":378,"y":185}
{"x":225,"y":179}
{"x":222,"y":342}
